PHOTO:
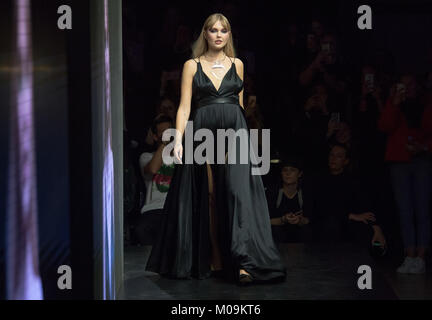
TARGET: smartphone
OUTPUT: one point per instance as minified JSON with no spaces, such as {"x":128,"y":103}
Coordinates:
{"x":369,"y":79}
{"x":335,"y":117}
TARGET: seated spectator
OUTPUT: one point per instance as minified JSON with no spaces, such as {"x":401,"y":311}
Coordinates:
{"x":157,"y":177}
{"x":167,"y":107}
{"x":337,"y":206}
{"x":286,"y":205}
{"x":407,"y":121}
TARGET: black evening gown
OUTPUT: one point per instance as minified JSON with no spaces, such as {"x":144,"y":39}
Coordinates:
{"x":183,"y":248}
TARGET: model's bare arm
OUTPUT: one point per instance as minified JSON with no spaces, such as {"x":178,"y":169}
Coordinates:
{"x":240,"y":68}
{"x":189,"y":69}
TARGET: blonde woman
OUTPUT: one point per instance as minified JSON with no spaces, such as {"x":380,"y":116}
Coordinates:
{"x":217,"y":220}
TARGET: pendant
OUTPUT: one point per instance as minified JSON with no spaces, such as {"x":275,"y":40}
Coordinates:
{"x":217,"y":64}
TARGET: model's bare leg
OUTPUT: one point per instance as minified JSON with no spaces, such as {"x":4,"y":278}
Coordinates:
{"x":216,"y":261}
{"x":242,"y":271}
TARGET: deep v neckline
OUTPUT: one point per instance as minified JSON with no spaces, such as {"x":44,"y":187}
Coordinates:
{"x":208,"y":78}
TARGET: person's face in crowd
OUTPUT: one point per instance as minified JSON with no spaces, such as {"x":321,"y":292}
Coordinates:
{"x":160,"y":128}
{"x":337,"y":160}
{"x":168,"y":108}
{"x":343,"y":135}
{"x":317,"y":28}
{"x":217,"y":33}
{"x":411,"y":86}
{"x":290,"y":175}
{"x":328,"y":47}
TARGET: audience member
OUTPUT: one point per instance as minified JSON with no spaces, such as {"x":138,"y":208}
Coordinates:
{"x":166,"y":106}
{"x":337,"y":206}
{"x":286,"y":205}
{"x":157,"y":177}
{"x":369,"y":140}
{"x":407,"y":121}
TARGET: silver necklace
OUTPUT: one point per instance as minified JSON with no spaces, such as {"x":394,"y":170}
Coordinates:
{"x":218,"y":65}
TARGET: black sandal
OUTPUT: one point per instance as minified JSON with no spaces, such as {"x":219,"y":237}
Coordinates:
{"x":245,"y":279}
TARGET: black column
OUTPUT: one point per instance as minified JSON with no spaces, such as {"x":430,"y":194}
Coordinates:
{"x":80,"y":150}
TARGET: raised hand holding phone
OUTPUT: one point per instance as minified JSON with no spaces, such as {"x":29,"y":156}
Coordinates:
{"x":399,"y":94}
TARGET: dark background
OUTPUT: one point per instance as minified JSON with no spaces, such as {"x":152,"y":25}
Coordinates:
{"x":399,"y":36}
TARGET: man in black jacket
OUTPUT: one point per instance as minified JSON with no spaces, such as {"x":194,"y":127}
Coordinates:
{"x":340,"y":209}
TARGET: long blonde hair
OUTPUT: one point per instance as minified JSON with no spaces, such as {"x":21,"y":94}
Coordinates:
{"x":200,"y":46}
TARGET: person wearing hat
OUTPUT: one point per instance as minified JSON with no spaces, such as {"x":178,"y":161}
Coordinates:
{"x":286,"y":204}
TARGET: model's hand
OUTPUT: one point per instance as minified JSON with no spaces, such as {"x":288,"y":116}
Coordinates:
{"x":363,"y":217}
{"x":178,"y":152}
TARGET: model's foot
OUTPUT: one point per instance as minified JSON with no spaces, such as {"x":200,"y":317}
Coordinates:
{"x":245,"y":278}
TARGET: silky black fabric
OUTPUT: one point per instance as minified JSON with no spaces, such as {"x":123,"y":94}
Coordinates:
{"x":183,"y":249}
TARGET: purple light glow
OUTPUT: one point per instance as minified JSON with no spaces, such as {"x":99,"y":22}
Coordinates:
{"x":23,"y":280}
{"x":108,"y":175}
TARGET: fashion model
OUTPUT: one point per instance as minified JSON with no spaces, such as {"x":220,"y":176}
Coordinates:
{"x":216,"y":215}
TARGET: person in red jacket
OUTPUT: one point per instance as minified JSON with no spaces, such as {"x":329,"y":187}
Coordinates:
{"x":407,"y":121}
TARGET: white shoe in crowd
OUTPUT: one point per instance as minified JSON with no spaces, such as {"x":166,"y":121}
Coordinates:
{"x":419,"y":266}
{"x":412,"y":265}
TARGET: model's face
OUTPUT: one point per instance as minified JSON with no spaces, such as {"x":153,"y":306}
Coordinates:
{"x":217,"y":36}
{"x":290,"y":175}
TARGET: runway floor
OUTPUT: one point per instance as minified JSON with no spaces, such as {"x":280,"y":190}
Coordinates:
{"x":315,"y":272}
